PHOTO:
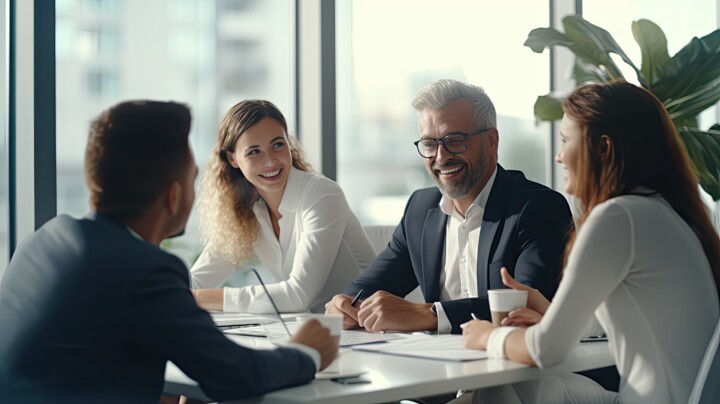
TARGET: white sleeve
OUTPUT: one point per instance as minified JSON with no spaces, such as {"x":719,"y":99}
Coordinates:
{"x":210,"y":272}
{"x":599,"y":261}
{"x":324,"y":223}
{"x":444,"y":326}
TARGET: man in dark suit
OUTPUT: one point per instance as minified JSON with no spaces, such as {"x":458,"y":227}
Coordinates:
{"x":91,"y":309}
{"x":453,"y":240}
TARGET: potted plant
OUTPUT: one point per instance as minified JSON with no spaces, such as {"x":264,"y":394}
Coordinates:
{"x":687,"y":83}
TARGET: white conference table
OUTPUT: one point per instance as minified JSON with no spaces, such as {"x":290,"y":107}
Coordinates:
{"x":395,"y":377}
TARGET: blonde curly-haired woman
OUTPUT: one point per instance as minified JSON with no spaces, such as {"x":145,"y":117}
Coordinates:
{"x":261,"y":206}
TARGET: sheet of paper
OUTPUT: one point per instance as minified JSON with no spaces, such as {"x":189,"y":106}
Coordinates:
{"x":362,"y":337}
{"x":229,"y":319}
{"x":274,"y":330}
{"x":442,"y":347}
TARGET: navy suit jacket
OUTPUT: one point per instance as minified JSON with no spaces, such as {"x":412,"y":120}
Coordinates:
{"x":90,"y":313}
{"x":524,"y":228}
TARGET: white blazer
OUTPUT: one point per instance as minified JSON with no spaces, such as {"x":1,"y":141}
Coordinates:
{"x":321,"y":249}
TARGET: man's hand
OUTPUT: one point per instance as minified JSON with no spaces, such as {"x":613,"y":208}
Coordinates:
{"x":340,"y":304}
{"x":386,"y":312}
{"x":314,"y":335}
{"x":476,"y":334}
{"x":522,"y":317}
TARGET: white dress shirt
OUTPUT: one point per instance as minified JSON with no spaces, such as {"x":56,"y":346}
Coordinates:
{"x":321,"y":249}
{"x":458,"y":279}
{"x":642,"y":270}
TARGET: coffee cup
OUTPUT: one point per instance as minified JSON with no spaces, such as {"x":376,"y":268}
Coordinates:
{"x":503,"y":301}
{"x":333,"y":322}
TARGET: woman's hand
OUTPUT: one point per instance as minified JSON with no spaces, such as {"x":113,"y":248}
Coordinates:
{"x":209,"y":299}
{"x":536,"y":300}
{"x":522,"y":317}
{"x":476,"y":334}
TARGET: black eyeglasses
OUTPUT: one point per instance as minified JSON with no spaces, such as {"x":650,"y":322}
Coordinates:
{"x":454,"y":143}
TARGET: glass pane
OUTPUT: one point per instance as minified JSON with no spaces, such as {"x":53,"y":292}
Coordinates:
{"x":4,"y":166}
{"x":208,"y":54}
{"x":388,"y":50}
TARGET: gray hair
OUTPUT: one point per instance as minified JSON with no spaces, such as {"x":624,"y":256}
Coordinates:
{"x":437,"y":95}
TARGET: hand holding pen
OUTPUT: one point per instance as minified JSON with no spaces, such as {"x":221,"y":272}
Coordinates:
{"x":357,"y":298}
{"x":343,"y":304}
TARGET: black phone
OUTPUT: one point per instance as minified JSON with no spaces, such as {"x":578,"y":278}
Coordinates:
{"x":350,"y":380}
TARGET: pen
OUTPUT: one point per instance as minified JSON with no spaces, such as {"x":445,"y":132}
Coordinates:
{"x":474,"y":316}
{"x":357,"y":297}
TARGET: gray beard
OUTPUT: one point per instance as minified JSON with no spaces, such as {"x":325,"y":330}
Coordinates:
{"x":462,"y":187}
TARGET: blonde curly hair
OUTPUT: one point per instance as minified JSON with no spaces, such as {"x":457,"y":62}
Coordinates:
{"x":226,"y":198}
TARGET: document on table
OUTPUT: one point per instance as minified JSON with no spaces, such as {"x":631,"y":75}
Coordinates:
{"x":243,"y":319}
{"x":275,"y":330}
{"x":442,"y":347}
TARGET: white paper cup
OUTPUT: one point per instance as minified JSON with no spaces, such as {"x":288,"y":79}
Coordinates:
{"x":334,"y":323}
{"x":503,"y":301}
{"x":331,"y":321}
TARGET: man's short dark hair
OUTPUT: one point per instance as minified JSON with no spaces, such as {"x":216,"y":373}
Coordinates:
{"x":135,"y":151}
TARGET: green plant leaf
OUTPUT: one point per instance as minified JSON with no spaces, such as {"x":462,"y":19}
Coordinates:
{"x":703,"y":147}
{"x":690,"y":105}
{"x":653,"y":45}
{"x":584,"y":72}
{"x":597,"y":42}
{"x":548,"y":108}
{"x":689,"y":122}
{"x":693,"y":67}
{"x":541,"y":38}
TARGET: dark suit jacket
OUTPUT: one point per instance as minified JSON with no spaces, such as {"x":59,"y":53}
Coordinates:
{"x":523,"y":229}
{"x":90,"y":313}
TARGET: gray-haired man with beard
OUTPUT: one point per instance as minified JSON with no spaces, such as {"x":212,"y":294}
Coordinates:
{"x":454,"y":239}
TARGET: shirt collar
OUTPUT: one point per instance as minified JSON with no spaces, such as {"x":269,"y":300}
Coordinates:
{"x":447,"y":206}
{"x":289,"y":201}
{"x":137,"y":236}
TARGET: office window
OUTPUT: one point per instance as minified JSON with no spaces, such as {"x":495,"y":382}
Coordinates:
{"x":238,"y":5}
{"x":4,"y":163}
{"x":99,"y":6}
{"x":165,"y":50}
{"x":388,"y":50}
{"x":243,"y":65}
{"x":95,"y":41}
{"x":102,"y":84}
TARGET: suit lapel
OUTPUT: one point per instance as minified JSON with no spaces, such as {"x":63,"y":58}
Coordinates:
{"x":433,"y":244}
{"x":492,"y":218}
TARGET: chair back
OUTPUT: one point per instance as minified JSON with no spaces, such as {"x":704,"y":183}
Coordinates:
{"x":379,"y":237}
{"x":707,"y":383}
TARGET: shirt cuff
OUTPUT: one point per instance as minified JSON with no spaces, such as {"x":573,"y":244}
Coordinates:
{"x":496,"y":342}
{"x":230,"y":300}
{"x":444,"y":326}
{"x":311,"y":352}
